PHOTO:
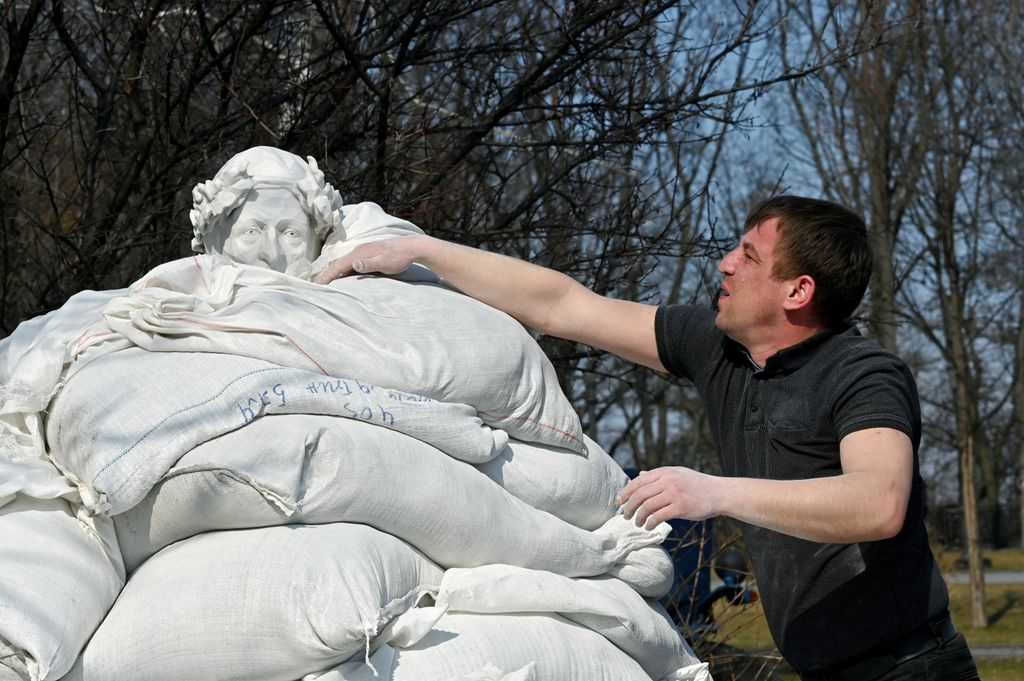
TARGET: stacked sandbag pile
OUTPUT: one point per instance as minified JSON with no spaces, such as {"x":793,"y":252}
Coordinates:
{"x":376,"y":479}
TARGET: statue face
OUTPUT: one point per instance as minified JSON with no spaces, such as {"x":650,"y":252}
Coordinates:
{"x":269,"y":230}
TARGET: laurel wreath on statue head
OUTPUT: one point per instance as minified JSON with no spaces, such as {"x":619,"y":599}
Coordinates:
{"x":214,"y":200}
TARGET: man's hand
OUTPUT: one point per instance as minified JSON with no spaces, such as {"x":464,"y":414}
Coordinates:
{"x":670,"y":492}
{"x":390,"y":256}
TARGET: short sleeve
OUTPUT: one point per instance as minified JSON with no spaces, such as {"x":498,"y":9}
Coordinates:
{"x":877,"y":390}
{"x":688,"y":339}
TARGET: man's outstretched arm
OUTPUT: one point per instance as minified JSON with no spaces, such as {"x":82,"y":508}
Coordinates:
{"x":867,"y":502}
{"x":547,"y":301}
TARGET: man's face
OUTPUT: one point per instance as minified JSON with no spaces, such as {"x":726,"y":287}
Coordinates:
{"x":750,"y":301}
{"x":269,"y":230}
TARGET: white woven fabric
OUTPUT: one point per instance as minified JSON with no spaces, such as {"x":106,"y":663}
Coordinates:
{"x":11,"y":666}
{"x":32,"y":359}
{"x":272,"y":604}
{"x":122,"y":421}
{"x":382,"y":667}
{"x":383,"y":332}
{"x":316,"y":469}
{"x":519,"y":647}
{"x":419,"y":338}
{"x":578,"y":489}
{"x":32,"y":477}
{"x":60,"y":575}
{"x":606,"y":605}
{"x":34,"y":355}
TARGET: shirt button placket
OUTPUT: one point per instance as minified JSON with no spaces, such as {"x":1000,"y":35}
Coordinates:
{"x":756,"y":389}
{"x":758,"y":463}
{"x":754,"y":418}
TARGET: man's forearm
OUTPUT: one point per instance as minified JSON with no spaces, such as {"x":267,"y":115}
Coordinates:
{"x":545,"y":300}
{"x":843,"y":509}
{"x":867,"y":502}
{"x":532,"y":294}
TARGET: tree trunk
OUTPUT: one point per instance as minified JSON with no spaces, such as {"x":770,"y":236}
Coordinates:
{"x":974,"y":559}
{"x":961,"y":372}
{"x":1018,"y":412}
{"x":881,"y":311}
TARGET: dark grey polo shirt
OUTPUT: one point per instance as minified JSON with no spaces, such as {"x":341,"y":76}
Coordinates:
{"x":825,"y":603}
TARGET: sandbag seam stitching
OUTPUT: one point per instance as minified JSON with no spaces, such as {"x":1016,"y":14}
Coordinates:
{"x":182,"y":411}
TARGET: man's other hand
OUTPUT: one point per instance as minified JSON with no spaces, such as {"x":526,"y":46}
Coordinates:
{"x":663,"y":493}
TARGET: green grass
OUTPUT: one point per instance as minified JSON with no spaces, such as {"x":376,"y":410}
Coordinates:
{"x":1006,"y":559}
{"x":1000,"y":559}
{"x":988,"y":670}
{"x":745,"y":627}
{"x":742,"y":626}
{"x":1000,"y":670}
{"x":1004,"y":605}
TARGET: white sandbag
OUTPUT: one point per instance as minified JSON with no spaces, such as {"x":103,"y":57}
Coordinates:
{"x":272,"y":604}
{"x":468,"y":646}
{"x":32,"y":477}
{"x":31,"y":361}
{"x":649,"y":570}
{"x":308,"y":469}
{"x":381,"y":667}
{"x":418,"y":338}
{"x":578,"y":489}
{"x":58,"y":577}
{"x":641,"y":629}
{"x":33,"y":356}
{"x":119,"y":423}
{"x":8,"y":673}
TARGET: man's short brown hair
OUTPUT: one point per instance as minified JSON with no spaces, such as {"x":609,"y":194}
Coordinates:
{"x":824,"y":240}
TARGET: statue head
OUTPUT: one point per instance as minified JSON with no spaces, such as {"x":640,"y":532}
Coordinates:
{"x":266,"y":207}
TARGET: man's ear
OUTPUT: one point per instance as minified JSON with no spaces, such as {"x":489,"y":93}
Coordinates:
{"x":800,"y":294}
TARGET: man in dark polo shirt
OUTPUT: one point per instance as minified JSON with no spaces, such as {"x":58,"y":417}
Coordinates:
{"x":817,"y":427}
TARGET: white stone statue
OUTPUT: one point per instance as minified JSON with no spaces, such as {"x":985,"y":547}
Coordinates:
{"x":266,"y":207}
{"x":269,"y":208}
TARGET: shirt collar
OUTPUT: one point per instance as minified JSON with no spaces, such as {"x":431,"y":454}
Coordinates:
{"x":795,"y":356}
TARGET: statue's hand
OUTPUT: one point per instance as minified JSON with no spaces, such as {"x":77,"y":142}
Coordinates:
{"x":390,"y":256}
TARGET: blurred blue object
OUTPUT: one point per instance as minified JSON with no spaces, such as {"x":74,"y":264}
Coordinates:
{"x":690,"y":545}
{"x":690,"y":600}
